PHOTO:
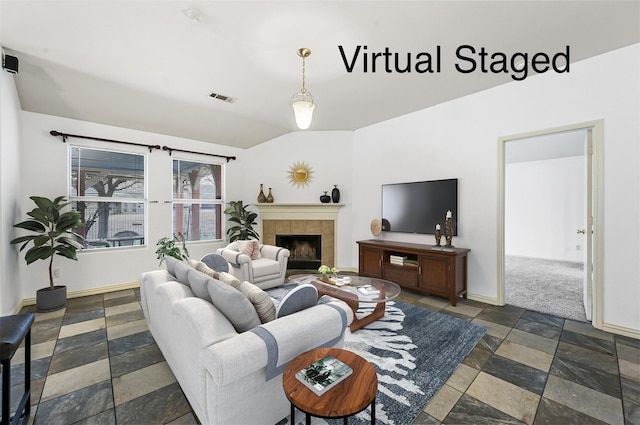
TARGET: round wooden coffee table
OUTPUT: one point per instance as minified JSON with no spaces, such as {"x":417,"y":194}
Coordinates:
{"x":347,"y":398}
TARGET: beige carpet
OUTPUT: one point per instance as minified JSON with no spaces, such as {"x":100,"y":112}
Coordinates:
{"x":546,"y":286}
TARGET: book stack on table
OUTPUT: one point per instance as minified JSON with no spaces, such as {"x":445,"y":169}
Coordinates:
{"x":324,"y":374}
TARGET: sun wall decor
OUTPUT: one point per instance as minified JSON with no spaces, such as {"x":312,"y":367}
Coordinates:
{"x":300,"y":174}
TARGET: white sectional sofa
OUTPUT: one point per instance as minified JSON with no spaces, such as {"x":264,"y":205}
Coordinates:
{"x":231,"y":377}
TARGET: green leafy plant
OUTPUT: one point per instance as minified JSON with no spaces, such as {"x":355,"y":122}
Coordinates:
{"x":54,"y":232}
{"x":167,"y":247}
{"x":244,"y":221}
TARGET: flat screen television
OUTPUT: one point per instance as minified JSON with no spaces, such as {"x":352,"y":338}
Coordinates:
{"x":418,"y":206}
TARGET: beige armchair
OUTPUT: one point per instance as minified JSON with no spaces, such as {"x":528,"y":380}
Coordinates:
{"x":266,"y":270}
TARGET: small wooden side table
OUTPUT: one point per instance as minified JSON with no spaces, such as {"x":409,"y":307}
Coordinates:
{"x":347,"y":398}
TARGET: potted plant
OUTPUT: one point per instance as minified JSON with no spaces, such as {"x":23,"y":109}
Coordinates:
{"x":53,"y":235}
{"x":167,"y":248}
{"x":244,"y":219}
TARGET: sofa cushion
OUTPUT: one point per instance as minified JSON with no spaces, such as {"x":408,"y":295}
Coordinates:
{"x":203,"y":268}
{"x":250,"y":248}
{"x":229,"y":279}
{"x":216,"y":262}
{"x":198,"y":282}
{"x":265,"y":267}
{"x":233,"y":304}
{"x":261,"y":301}
{"x":297,"y":299}
{"x":170,"y":263}
{"x":182,"y":269}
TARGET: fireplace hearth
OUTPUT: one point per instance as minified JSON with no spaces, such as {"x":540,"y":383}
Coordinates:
{"x":306,"y":250}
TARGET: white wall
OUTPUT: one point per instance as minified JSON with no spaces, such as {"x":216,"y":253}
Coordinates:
{"x":10,"y":282}
{"x":544,"y":206}
{"x":455,"y":139}
{"x":459,"y":139}
{"x":46,"y":175}
{"x":330,"y":156}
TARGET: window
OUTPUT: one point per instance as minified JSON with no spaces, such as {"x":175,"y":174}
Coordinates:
{"x":108,"y":189}
{"x":197,"y":200}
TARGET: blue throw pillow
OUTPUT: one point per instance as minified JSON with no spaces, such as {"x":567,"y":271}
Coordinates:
{"x":297,"y":299}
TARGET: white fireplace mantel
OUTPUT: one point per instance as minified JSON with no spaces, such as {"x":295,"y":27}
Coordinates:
{"x":297,"y":211}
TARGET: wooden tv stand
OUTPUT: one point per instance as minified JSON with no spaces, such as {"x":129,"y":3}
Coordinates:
{"x":433,"y":270}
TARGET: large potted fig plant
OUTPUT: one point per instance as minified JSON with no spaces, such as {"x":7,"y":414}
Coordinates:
{"x":53,"y":233}
{"x":244,"y":221}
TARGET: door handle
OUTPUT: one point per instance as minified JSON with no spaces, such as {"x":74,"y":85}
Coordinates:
{"x":581,"y":231}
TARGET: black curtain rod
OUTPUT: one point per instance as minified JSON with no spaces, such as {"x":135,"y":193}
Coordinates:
{"x":150,"y":147}
{"x":65,"y":135}
{"x":170,"y":149}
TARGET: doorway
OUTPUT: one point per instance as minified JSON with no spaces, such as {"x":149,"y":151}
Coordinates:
{"x":549,"y":204}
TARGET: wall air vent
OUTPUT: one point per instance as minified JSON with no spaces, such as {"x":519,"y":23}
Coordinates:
{"x":223,"y":97}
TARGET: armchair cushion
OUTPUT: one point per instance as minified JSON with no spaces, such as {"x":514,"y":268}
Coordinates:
{"x":250,"y":248}
{"x":265,"y":267}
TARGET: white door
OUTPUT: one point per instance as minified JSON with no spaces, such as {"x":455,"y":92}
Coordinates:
{"x":587,"y":231}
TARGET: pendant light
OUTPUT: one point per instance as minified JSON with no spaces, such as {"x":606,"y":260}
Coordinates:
{"x":302,"y":102}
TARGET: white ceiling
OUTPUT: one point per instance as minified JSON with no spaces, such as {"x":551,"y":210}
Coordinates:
{"x":143,"y":65}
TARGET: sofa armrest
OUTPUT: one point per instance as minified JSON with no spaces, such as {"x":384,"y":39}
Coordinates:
{"x":274,"y":252}
{"x":246,"y":353}
{"x":235,"y":258}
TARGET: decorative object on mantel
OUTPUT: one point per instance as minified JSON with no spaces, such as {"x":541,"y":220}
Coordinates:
{"x":438,"y":235}
{"x":325,"y":199}
{"x":448,"y":230}
{"x":302,"y":102}
{"x":269,"y":197}
{"x":335,"y":194}
{"x":300,"y":174}
{"x":261,"y":198}
{"x":376,"y":227}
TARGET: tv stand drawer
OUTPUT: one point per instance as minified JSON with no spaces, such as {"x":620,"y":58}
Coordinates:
{"x":401,"y":275}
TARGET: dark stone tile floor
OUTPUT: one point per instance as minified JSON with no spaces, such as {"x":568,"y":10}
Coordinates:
{"x":89,"y":361}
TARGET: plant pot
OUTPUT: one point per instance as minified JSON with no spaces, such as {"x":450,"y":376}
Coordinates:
{"x":51,"y":299}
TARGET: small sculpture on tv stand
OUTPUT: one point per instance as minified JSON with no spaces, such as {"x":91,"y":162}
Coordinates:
{"x":438,"y":235}
{"x":448,"y":230}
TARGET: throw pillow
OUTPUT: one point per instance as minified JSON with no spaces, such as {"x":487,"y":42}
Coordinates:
{"x":202,"y":267}
{"x":170,"y":263}
{"x":234,"y":305}
{"x":250,"y":248}
{"x":216,"y":262}
{"x":261,"y":301}
{"x":182,"y":269}
{"x":199,"y":282}
{"x":299,"y":298}
{"x":229,"y":279}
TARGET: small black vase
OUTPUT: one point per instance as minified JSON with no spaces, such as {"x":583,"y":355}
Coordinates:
{"x":335,"y":194}
{"x":325,"y":199}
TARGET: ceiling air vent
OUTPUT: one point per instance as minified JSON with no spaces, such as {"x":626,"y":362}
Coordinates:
{"x":223,"y":97}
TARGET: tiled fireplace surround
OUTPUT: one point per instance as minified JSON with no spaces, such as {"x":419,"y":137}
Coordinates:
{"x":301,"y":219}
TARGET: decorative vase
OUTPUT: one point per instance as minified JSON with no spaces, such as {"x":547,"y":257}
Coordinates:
{"x":261,"y":198}
{"x":269,"y":197}
{"x":335,"y":194}
{"x":325,"y":199}
{"x":50,"y":299}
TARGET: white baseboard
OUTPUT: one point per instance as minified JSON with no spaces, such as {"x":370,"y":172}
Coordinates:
{"x":82,"y":293}
{"x":621,"y":330}
{"x":483,"y":299}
